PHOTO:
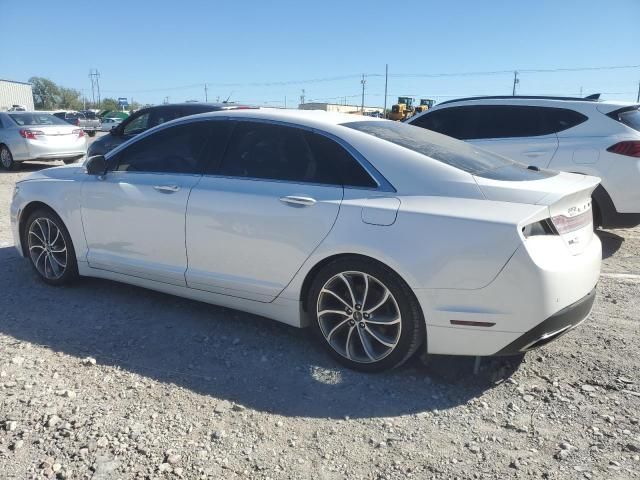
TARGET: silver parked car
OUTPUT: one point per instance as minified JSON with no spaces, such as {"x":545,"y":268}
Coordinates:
{"x":38,"y":136}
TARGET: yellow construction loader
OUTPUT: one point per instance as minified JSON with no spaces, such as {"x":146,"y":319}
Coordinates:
{"x":402,"y":110}
{"x":425,"y":104}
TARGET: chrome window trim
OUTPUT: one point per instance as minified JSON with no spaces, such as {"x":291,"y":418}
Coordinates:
{"x":378,"y":178}
{"x":383,"y":184}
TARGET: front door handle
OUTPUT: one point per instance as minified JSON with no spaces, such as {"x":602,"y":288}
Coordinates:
{"x":298,"y":201}
{"x":167,"y":188}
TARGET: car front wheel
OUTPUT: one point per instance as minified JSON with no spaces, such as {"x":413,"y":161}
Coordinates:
{"x":366,"y":316}
{"x":50,"y":248}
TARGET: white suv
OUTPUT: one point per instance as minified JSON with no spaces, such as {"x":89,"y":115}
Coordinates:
{"x":579,"y":135}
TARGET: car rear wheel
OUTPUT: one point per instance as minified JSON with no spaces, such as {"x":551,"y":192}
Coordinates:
{"x":6,"y":159}
{"x":50,"y":248}
{"x":365,"y":315}
{"x":91,"y":134}
{"x":69,"y":162}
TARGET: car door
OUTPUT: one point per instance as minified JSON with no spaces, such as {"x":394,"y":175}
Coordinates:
{"x":518,"y":132}
{"x":134,"y":216}
{"x":260,"y":211}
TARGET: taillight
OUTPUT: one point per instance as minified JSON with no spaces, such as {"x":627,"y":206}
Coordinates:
{"x":30,"y":134}
{"x":571,"y":224}
{"x":628,"y":148}
{"x":79,"y":132}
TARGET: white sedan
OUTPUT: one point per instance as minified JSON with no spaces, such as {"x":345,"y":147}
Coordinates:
{"x":108,"y":123}
{"x":384,"y":237}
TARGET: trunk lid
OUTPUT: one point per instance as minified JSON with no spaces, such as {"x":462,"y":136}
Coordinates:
{"x":566,"y":195}
{"x":55,"y":134}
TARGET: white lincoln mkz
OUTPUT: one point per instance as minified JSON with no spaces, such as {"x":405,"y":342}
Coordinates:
{"x":386,"y":238}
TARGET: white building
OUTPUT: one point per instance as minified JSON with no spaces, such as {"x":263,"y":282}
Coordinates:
{"x":336,"y":107}
{"x":15,"y":93}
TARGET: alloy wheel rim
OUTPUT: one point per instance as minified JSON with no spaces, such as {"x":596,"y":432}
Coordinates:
{"x":359,"y":317}
{"x":47,"y":248}
{"x":5,"y":158}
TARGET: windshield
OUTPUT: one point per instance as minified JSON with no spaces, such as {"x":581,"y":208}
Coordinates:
{"x":34,"y":118}
{"x":448,"y":150}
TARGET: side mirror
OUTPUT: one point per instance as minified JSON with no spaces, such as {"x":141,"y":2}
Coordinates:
{"x":96,"y":165}
{"x":115,"y":131}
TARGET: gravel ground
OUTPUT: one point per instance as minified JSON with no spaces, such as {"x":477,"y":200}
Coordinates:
{"x":107,"y":381}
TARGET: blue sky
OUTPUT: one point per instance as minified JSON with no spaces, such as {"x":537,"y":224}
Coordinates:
{"x":149,"y":50}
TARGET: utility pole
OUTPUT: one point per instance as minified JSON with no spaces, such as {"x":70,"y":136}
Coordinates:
{"x":285,"y":101}
{"x":302,"y":97}
{"x":363,"y":82}
{"x":386,"y":81}
{"x":206,"y":96}
{"x":515,"y":82}
{"x":94,"y":76}
{"x":638,"y":98}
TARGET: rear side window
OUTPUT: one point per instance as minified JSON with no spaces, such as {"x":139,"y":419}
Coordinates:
{"x":628,"y":116}
{"x":177,"y":149}
{"x":461,"y":155}
{"x":277,"y":152}
{"x":559,"y":119}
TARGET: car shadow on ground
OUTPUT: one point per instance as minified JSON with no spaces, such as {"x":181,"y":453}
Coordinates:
{"x":27,"y":167}
{"x":223,"y":353}
{"x":611,"y":243}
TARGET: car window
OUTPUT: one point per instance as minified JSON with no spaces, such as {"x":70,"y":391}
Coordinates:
{"x":137,"y":125}
{"x":36,"y":119}
{"x":163,"y":115}
{"x":277,"y":152}
{"x":559,"y":119}
{"x":336,"y":165}
{"x":456,"y":122}
{"x":176,"y":149}
{"x":499,"y":121}
{"x":508,"y":121}
{"x":455,"y":153}
{"x":629,"y":116}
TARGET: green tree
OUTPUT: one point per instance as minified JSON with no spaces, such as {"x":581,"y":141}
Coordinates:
{"x":46,"y":94}
{"x":109,"y":104}
{"x":70,"y":99}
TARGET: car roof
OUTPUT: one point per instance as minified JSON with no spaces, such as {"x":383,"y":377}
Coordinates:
{"x":210,"y":105}
{"x":310,"y":118}
{"x":580,"y":104}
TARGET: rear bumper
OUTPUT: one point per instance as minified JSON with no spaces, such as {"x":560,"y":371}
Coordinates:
{"x":553,"y":327}
{"x":540,"y":282}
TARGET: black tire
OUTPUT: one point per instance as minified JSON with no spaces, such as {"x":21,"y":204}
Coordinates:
{"x":91,"y":134}
{"x":412,"y":328}
{"x":46,"y":217}
{"x":69,"y":162}
{"x":6,"y":159}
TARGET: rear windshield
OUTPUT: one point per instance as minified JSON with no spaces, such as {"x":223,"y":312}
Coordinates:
{"x":23,"y":119}
{"x":90,"y":115}
{"x":629,"y":116}
{"x":450,"y":151}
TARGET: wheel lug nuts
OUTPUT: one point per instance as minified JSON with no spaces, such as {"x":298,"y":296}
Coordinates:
{"x":361,"y":324}
{"x":348,"y":310}
{"x":358,"y":307}
{"x":352,"y":322}
{"x":366,"y":316}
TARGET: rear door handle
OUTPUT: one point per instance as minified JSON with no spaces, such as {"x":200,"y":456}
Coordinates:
{"x":298,"y":201}
{"x":167,"y":188}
